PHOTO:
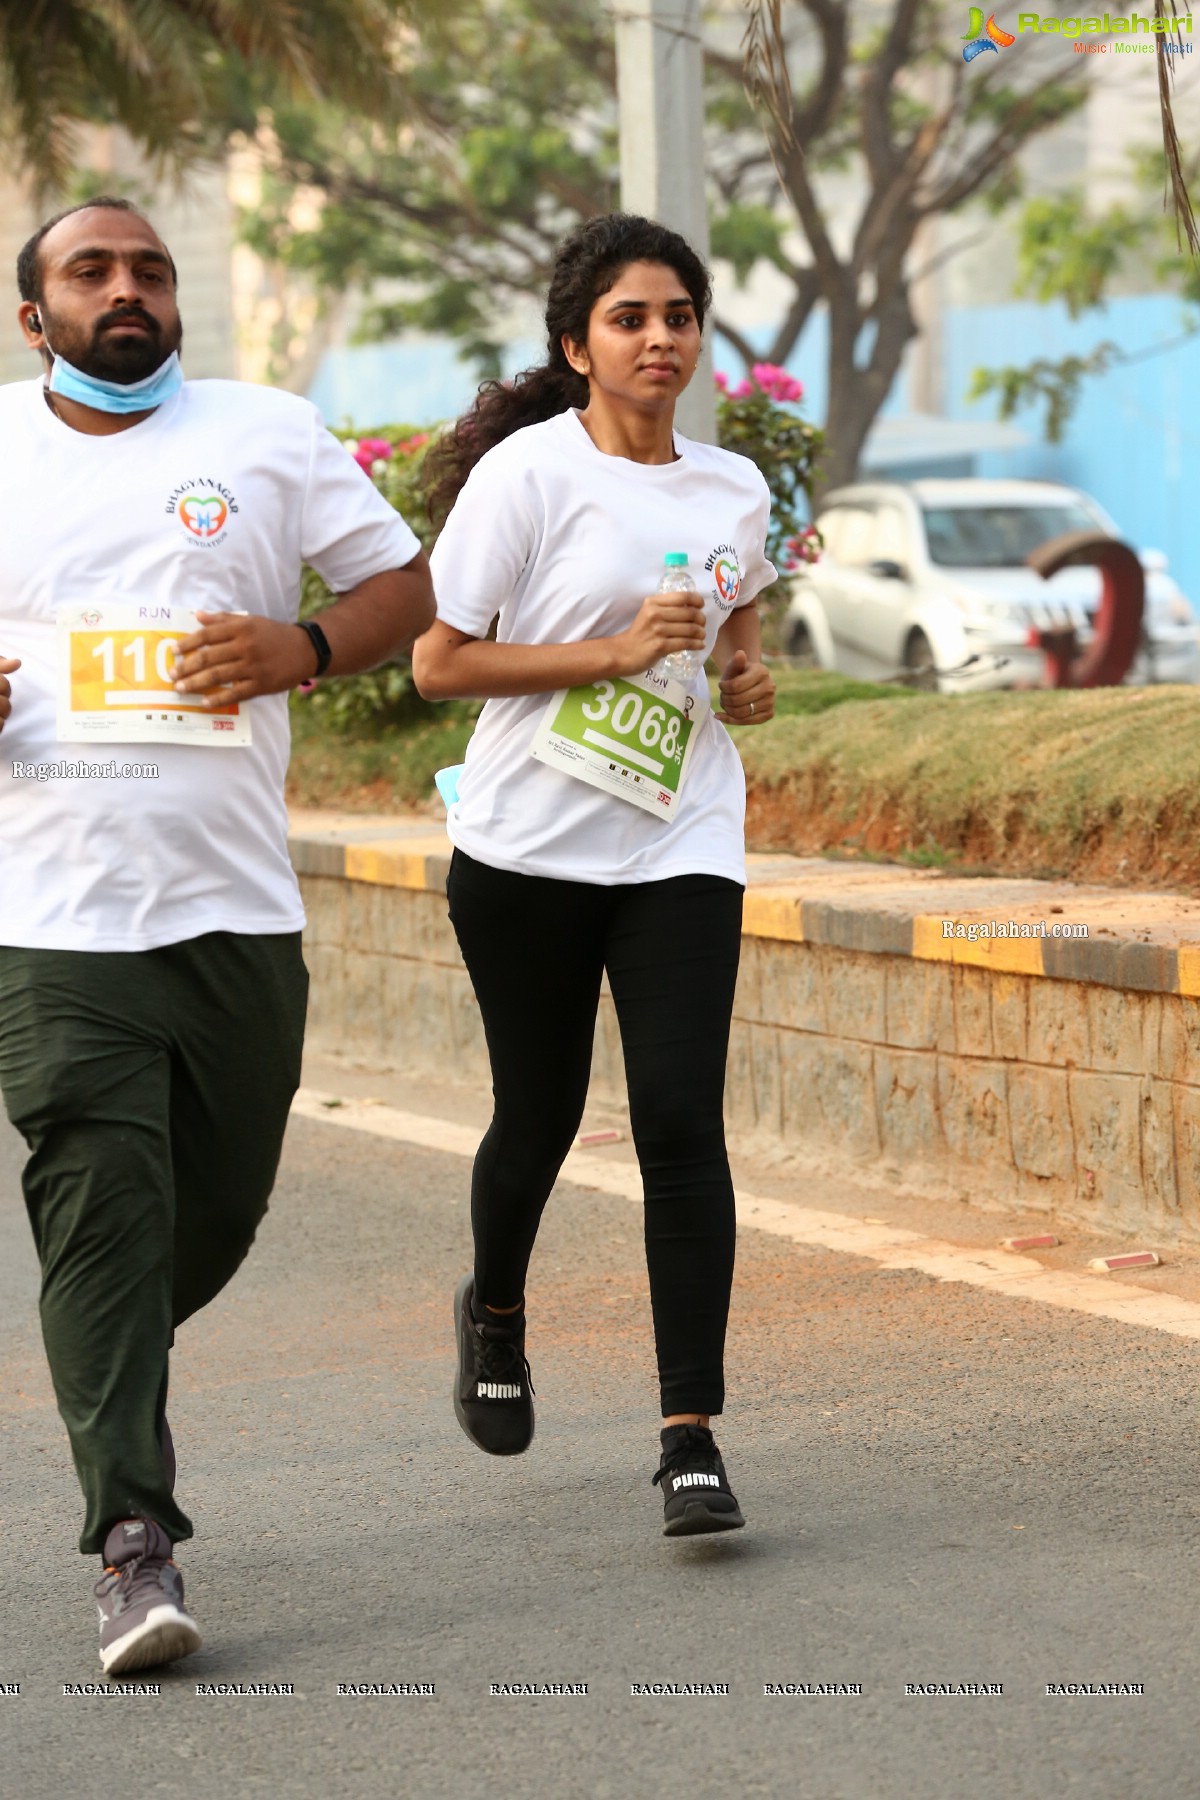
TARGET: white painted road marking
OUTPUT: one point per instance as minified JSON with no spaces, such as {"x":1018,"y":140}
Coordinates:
{"x":997,"y":1271}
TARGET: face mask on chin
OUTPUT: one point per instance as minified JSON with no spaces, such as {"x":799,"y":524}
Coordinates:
{"x":115,"y":396}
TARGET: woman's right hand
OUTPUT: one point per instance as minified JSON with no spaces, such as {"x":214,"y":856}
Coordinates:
{"x":665,"y":623}
{"x":7,"y":665}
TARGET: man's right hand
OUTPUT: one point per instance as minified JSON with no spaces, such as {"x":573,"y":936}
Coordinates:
{"x":7,"y":665}
{"x":665,"y":623}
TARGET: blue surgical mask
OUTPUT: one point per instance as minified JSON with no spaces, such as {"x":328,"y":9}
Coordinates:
{"x":116,"y":396}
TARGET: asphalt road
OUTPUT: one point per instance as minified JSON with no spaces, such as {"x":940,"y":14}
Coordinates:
{"x":941,"y":1486}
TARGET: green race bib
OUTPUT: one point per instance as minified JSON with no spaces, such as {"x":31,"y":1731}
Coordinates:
{"x":631,"y":735}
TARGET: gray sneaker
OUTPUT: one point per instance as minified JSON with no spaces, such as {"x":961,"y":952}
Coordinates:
{"x":140,"y":1600}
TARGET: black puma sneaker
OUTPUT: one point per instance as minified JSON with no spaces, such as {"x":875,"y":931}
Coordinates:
{"x":140,"y":1601}
{"x":493,"y":1395}
{"x":696,"y":1492}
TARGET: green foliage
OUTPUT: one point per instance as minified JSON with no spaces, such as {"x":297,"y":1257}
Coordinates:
{"x":507,"y":137}
{"x":786,"y":449}
{"x":1066,"y":253}
{"x":996,"y":103}
{"x":744,"y":236}
{"x":164,"y":70}
{"x":807,"y":692}
{"x":380,"y":767}
{"x":1062,"y":254}
{"x":380,"y":699}
{"x":1052,"y":384}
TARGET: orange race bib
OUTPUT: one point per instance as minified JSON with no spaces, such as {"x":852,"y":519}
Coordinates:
{"x":115,"y":674}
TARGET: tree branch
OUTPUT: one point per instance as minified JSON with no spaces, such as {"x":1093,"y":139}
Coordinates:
{"x":878,"y":147}
{"x":1021,"y":122}
{"x":736,"y":341}
{"x":808,"y":292}
{"x":818,"y":111}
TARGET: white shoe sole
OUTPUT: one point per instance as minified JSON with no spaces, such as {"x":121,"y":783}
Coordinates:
{"x":163,"y":1636}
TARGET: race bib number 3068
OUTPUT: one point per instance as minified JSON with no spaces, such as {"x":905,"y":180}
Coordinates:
{"x":116,"y":672}
{"x":631,"y":735}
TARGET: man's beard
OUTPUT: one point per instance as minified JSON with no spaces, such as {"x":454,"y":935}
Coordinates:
{"x":123,"y":357}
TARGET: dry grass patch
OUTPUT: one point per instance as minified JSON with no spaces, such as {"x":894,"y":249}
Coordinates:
{"x":1100,"y":785}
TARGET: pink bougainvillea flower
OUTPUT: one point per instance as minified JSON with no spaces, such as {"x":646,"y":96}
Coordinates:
{"x":722,"y":381}
{"x":776,"y":383}
{"x":409,"y":446}
{"x":368,"y":451}
{"x":742,"y":391}
{"x":805,"y":547}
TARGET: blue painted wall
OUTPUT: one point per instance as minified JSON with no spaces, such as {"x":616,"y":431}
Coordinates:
{"x":409,"y":382}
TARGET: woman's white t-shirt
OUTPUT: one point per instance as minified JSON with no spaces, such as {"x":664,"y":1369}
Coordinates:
{"x":564,"y":542}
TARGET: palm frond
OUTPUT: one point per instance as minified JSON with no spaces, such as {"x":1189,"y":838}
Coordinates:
{"x":1185,"y":221}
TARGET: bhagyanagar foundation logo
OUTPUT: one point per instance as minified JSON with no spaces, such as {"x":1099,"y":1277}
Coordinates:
{"x":203,"y":508}
{"x":723,"y":565}
{"x":984,"y":37}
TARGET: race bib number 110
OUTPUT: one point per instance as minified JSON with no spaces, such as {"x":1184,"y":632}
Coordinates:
{"x":631,"y":736}
{"x":116,"y":667}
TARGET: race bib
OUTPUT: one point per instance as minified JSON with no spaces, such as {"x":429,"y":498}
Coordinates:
{"x":115,"y":670}
{"x":631,"y":735}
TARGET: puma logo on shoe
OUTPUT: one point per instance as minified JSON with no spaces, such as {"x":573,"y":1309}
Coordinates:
{"x":682,"y":1481}
{"x":493,"y":1392}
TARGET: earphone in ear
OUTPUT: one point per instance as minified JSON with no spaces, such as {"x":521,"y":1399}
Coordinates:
{"x":35,"y":324}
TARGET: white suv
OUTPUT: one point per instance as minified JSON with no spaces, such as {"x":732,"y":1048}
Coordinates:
{"x":930,"y":576}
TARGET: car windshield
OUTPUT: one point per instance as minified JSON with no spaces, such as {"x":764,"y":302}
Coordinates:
{"x":998,"y":537}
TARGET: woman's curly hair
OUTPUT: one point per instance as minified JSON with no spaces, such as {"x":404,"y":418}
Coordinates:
{"x":587,"y":265}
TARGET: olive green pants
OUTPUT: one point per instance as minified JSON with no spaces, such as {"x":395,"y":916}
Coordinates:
{"x":152,"y":1088}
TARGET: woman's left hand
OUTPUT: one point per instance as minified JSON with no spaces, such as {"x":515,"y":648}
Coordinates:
{"x":747,"y":692}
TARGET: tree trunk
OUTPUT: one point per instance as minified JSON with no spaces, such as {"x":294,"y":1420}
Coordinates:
{"x":856,"y":392}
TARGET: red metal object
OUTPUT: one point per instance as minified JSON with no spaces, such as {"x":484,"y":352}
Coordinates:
{"x":1118,"y":626}
{"x":1134,"y":1259}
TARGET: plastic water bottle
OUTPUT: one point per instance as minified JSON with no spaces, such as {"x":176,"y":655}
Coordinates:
{"x":681,"y":665}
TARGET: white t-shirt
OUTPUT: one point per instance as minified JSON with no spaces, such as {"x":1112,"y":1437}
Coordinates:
{"x":564,"y":543}
{"x":96,"y":864}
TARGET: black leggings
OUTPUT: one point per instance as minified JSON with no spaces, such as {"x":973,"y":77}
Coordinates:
{"x":535,"y":950}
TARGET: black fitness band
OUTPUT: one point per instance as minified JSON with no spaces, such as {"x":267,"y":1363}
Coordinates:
{"x":320,"y":644}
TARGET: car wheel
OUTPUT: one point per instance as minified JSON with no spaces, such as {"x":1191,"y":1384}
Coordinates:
{"x":801,"y":648}
{"x":919,"y":663}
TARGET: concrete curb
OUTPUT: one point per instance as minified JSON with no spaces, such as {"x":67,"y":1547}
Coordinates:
{"x":884,"y":913}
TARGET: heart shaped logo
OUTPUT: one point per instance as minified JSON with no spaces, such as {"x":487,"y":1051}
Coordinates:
{"x":204,"y":515}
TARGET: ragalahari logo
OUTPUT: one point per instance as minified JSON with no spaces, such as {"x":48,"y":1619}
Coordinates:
{"x":993,"y":36}
{"x":203,"y":514}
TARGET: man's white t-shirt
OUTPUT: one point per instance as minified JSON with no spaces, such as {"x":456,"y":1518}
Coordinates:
{"x":130,"y":864}
{"x":564,"y":543}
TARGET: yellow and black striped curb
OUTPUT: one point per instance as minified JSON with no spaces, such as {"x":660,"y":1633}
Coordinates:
{"x":884,"y":917}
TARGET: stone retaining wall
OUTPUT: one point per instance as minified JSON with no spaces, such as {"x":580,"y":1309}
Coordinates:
{"x":854,"y":1032}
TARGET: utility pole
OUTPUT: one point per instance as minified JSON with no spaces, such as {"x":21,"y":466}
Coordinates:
{"x":660,"y":87}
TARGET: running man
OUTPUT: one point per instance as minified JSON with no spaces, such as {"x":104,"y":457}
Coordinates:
{"x":152,"y":990}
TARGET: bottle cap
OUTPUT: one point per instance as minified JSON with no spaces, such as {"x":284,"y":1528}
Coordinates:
{"x":676,"y":559}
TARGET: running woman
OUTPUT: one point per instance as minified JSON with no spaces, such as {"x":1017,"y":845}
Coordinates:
{"x":566,"y":489}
